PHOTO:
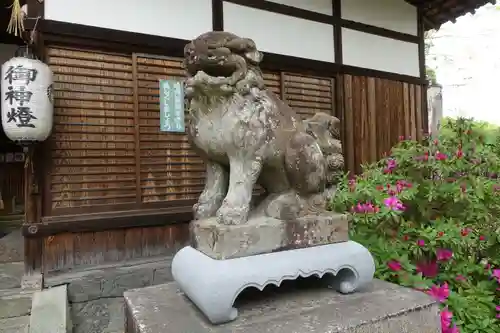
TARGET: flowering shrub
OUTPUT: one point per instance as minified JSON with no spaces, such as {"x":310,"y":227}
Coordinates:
{"x":429,"y":213}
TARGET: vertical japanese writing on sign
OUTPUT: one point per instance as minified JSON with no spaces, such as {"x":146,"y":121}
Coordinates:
{"x":171,"y":106}
{"x":18,"y":95}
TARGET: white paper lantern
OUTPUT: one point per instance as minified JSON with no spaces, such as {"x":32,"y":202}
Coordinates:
{"x":27,"y":100}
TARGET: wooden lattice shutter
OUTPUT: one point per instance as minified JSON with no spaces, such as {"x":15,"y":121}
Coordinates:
{"x":169,"y":169}
{"x":308,"y":95}
{"x":273,"y":82}
{"x":93,"y":164}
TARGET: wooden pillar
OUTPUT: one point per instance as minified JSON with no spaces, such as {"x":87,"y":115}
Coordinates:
{"x":423,"y":71}
{"x":33,"y":247}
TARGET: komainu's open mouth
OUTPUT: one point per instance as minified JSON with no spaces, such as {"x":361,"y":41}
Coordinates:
{"x":223,"y":61}
{"x":214,"y":62}
{"x":215,"y":70}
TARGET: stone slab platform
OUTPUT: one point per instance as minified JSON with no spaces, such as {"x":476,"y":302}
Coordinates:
{"x":50,"y":311}
{"x":379,"y":308}
{"x":264,"y":235}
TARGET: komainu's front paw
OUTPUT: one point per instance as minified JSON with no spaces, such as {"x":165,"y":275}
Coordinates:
{"x":204,"y":210}
{"x":232,"y":215}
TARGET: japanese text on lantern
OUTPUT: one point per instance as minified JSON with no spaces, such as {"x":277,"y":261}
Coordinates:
{"x":171,"y":106}
{"x":18,"y":95}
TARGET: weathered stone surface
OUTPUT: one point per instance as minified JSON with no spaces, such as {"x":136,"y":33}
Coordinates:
{"x":11,"y":274}
{"x":50,"y":311}
{"x":15,"y":325}
{"x":105,"y":315}
{"x":113,"y":280}
{"x":248,"y":136}
{"x":312,"y":230}
{"x":32,"y":282}
{"x":14,"y":303}
{"x":380,"y":308}
{"x":96,"y":295}
{"x":12,"y":246}
{"x":265,"y":234}
{"x":259,"y":235}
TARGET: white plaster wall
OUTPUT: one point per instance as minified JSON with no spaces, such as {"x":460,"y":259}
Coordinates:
{"x":318,"y":6}
{"x":396,"y":15}
{"x":281,"y":34}
{"x":184,"y":19}
{"x":385,"y":54}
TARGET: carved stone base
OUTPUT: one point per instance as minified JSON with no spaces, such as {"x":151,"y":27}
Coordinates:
{"x":264,"y":235}
{"x":214,"y":285}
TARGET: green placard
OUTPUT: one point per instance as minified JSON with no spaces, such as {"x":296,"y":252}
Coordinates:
{"x":171,"y":106}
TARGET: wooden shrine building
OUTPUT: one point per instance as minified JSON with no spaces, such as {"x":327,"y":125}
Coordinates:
{"x":109,"y":186}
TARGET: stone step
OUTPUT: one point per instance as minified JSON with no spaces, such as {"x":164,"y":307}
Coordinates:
{"x":112,"y":280}
{"x":11,"y":274}
{"x":96,"y":294}
{"x":15,"y":325}
{"x":50,"y":311}
{"x":14,"y":303}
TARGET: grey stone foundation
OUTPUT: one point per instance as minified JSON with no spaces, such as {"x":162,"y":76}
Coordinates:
{"x":380,"y":307}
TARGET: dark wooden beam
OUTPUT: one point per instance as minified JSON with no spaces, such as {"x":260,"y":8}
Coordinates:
{"x":423,"y":70}
{"x":387,"y":33}
{"x":217,"y":15}
{"x":421,"y":43}
{"x":89,"y":37}
{"x":337,"y":31}
{"x":36,"y":8}
{"x":334,"y":19}
{"x":102,"y":222}
{"x":284,"y":10}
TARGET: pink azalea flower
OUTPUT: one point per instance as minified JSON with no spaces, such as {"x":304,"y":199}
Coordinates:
{"x":497,"y":308}
{"x":496,"y":274}
{"x":440,"y":156}
{"x":394,"y":265}
{"x":394,"y":203}
{"x":440,"y":293}
{"x":428,"y":269}
{"x":446,"y":316}
{"x":421,"y":242}
{"x":444,"y":254}
{"x":391,"y":164}
{"x":365,"y":208}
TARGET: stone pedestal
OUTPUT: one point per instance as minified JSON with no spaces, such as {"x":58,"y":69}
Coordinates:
{"x":380,"y":307}
{"x":213,"y":285}
{"x":264,"y":235}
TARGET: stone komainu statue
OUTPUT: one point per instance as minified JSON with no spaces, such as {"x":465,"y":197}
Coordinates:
{"x":247,"y":135}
